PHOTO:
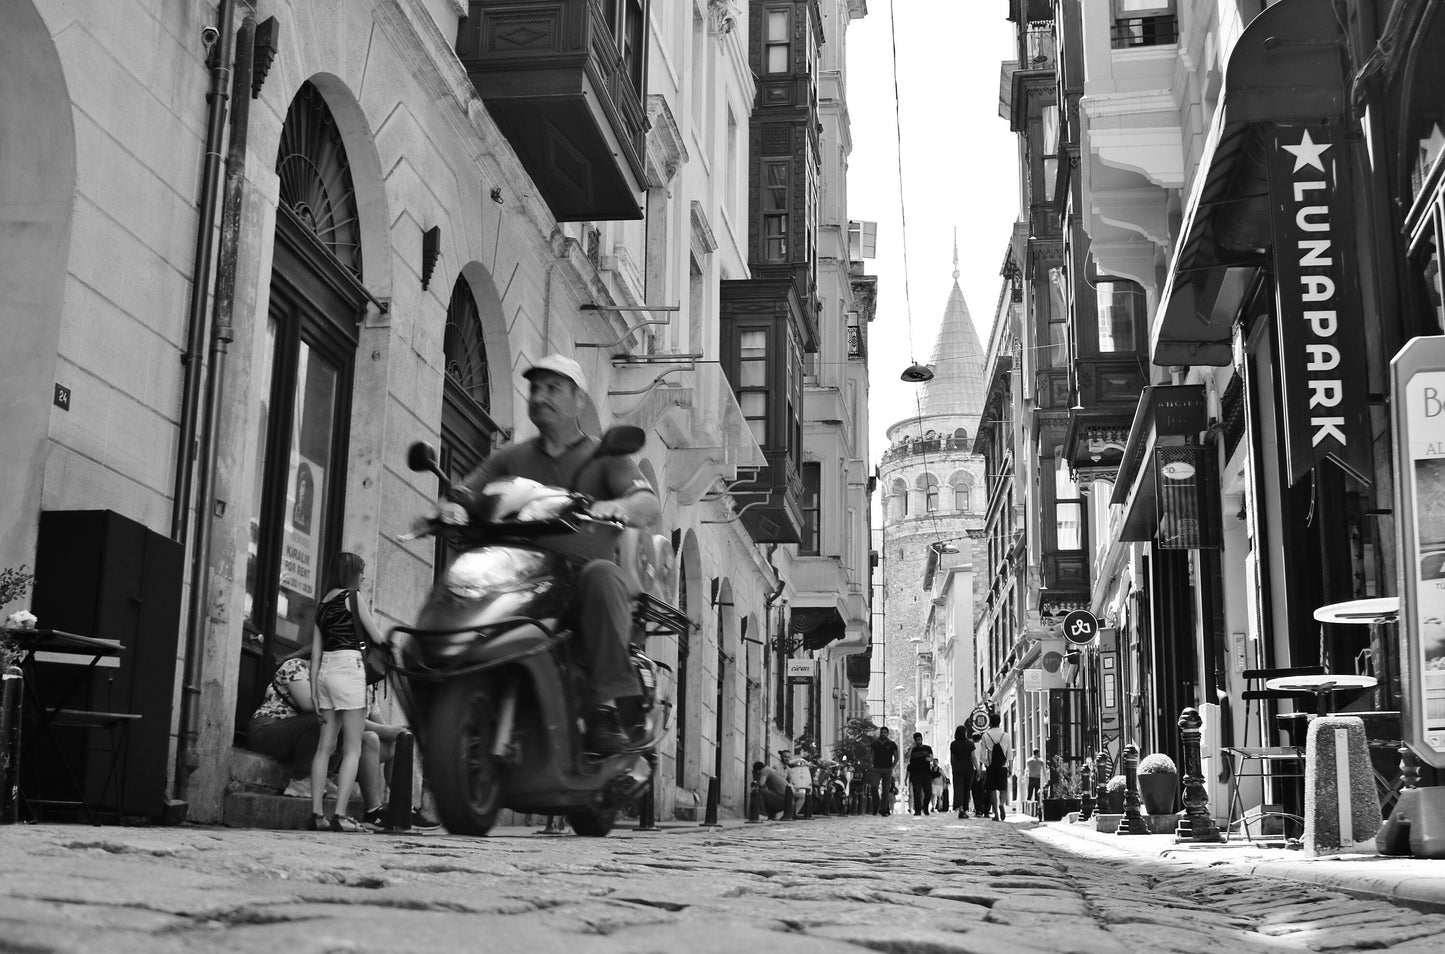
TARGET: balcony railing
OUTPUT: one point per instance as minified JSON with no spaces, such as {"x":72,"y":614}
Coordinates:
{"x":1145,"y":31}
{"x":1040,"y":52}
{"x":937,"y":445}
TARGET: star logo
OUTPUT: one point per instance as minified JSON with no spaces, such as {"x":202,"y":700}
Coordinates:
{"x":1431,"y":146}
{"x":1307,"y":153}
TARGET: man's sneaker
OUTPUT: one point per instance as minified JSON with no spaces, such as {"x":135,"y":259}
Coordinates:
{"x":421,"y":821}
{"x":605,"y":735}
{"x":375,"y":820}
{"x":299,"y":787}
{"x":345,"y":823}
{"x":318,"y":823}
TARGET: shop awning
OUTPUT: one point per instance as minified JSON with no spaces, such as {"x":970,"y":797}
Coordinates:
{"x":1287,"y":66}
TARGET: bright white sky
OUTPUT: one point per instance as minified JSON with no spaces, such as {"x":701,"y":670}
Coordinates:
{"x":959,"y":170}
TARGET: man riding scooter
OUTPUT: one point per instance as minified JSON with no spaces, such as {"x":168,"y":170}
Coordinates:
{"x":563,"y":455}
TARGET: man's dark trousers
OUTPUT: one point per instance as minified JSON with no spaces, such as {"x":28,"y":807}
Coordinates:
{"x":922,"y":787}
{"x":603,"y":616}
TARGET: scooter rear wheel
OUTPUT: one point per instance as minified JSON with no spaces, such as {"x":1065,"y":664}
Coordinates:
{"x":464,"y":775}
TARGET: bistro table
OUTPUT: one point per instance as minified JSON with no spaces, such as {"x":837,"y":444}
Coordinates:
{"x":24,"y":648}
{"x":1321,"y":685}
{"x":1384,"y":609}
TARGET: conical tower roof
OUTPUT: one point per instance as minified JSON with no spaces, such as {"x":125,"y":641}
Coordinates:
{"x":957,"y":387}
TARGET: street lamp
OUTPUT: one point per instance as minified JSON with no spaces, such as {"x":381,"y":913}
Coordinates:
{"x":916,"y":374}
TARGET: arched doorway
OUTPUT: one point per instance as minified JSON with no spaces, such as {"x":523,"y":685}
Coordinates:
{"x":303,"y":382}
{"x":37,"y":195}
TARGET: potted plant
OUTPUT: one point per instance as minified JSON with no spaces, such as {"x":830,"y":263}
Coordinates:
{"x":1061,"y":797}
{"x":1158,"y":784}
{"x":1114,"y":800}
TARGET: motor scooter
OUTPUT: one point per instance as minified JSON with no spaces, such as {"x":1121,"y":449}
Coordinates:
{"x":489,"y":682}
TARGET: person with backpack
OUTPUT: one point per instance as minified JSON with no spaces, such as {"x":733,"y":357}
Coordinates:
{"x":996,"y":747}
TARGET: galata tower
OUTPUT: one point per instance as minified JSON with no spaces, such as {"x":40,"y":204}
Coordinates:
{"x":931,"y":487}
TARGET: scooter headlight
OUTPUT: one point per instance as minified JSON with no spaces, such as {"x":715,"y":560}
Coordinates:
{"x":474,"y":575}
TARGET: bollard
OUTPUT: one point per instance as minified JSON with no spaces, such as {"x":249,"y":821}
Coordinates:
{"x":398,"y":809}
{"x":1197,"y":825}
{"x":1132,"y":823}
{"x":10,"y":686}
{"x":713,"y":796}
{"x":788,"y":803}
{"x":1342,"y":806}
{"x":1086,"y":789}
{"x":647,"y":811}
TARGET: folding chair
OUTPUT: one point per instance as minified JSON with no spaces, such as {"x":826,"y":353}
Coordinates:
{"x":1265,"y":762}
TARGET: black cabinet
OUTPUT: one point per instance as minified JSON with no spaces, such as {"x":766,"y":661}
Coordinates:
{"x":98,"y":573}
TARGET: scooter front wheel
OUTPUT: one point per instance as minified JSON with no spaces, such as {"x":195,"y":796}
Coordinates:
{"x":464,"y":775}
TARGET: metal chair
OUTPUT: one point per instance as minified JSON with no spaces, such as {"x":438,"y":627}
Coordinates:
{"x":1264,"y":762}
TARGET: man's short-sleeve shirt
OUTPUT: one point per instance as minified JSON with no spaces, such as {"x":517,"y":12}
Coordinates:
{"x":575,"y":468}
{"x":885,"y":753}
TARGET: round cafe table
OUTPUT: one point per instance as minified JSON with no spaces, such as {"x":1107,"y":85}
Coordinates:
{"x":1384,"y":609}
{"x":1321,"y":684}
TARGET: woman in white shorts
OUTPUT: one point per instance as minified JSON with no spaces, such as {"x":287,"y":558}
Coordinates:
{"x":338,"y":685}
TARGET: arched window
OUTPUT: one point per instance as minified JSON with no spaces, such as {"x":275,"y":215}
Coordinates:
{"x":928,"y":484}
{"x":900,"y":499}
{"x":962,"y":487}
{"x":468,"y":431}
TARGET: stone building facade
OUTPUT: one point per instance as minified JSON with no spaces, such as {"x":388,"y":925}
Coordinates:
{"x":399,"y":245}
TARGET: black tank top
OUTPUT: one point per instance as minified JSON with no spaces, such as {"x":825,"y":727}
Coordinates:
{"x":338,"y":626}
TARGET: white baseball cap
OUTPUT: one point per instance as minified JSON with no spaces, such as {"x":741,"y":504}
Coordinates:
{"x":558,"y":364}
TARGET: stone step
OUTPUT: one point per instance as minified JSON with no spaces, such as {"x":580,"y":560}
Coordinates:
{"x":254,"y":772}
{"x":244,"y":809}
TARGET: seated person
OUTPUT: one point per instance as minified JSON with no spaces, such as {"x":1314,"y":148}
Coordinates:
{"x":771,"y":786}
{"x":286,"y":728}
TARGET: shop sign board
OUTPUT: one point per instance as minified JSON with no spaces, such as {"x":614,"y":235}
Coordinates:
{"x":1318,"y":316}
{"x":1033,"y":680}
{"x":1081,"y":627}
{"x":1417,"y":380}
{"x":801,"y":670}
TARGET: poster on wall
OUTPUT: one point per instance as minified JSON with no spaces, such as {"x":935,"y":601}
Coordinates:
{"x":302,"y":527}
{"x":1418,"y":380}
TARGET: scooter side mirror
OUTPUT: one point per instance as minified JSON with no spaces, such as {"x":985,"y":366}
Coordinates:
{"x":421,"y":456}
{"x":622,"y":440}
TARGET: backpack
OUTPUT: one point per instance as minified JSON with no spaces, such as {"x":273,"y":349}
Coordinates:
{"x":996,"y":757}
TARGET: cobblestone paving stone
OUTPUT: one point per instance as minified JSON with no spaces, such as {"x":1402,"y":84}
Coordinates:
{"x":898,"y":886}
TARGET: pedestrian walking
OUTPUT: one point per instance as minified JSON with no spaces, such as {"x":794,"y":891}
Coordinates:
{"x":995,"y":745}
{"x":1034,"y":768}
{"x":920,"y":774}
{"x":960,"y":755}
{"x":880,"y":776}
{"x":338,"y":685}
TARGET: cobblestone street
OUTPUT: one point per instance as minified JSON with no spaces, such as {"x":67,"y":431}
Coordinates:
{"x":903,"y":884}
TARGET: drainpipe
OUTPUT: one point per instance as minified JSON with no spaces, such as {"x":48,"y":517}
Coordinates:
{"x":220,"y":65}
{"x":768,"y":602}
{"x":222,"y":334}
